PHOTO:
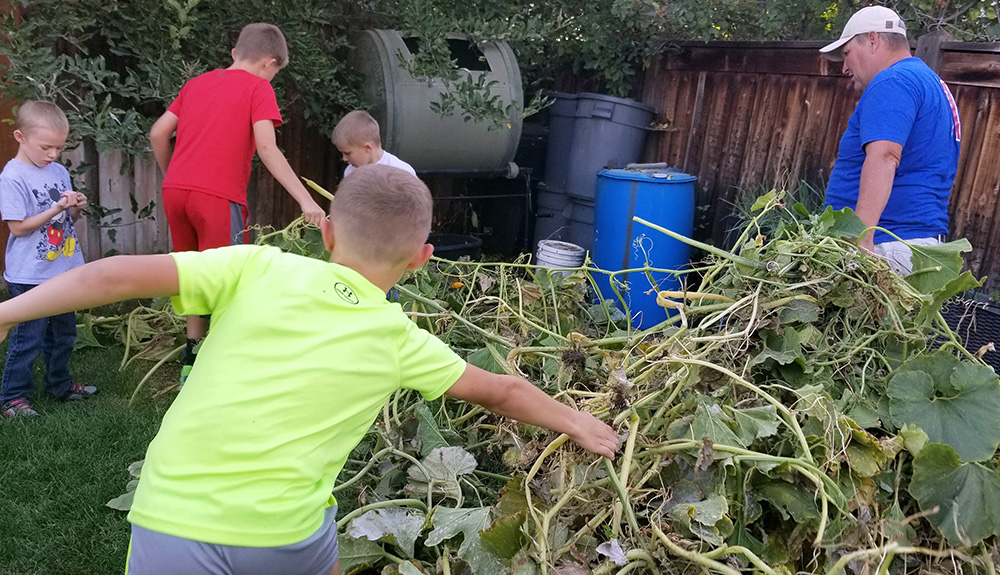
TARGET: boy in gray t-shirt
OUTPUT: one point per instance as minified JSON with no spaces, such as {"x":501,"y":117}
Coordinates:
{"x":39,"y":205}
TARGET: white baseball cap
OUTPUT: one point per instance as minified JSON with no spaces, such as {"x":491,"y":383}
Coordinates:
{"x":870,"y":19}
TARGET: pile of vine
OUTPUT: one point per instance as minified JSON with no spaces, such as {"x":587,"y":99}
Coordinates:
{"x":803,"y":409}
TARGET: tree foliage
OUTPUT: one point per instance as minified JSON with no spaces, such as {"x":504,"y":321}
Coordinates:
{"x":115,"y":64}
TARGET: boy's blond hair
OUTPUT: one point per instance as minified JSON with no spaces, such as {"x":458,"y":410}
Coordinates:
{"x":382,"y":214}
{"x":357,"y":128}
{"x":260,"y":40}
{"x":35,"y":114}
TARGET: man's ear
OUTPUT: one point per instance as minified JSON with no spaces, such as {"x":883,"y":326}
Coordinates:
{"x":233,"y":54}
{"x":421,"y":257}
{"x":326,"y":231}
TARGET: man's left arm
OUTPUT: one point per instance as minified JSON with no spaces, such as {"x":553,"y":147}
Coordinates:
{"x":877,"y":174}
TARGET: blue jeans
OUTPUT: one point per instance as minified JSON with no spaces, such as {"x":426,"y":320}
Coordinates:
{"x":53,"y":338}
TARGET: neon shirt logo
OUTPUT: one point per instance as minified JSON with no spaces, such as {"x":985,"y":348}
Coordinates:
{"x":346,"y":293}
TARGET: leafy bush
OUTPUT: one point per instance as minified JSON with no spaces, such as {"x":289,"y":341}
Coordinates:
{"x":114,"y":66}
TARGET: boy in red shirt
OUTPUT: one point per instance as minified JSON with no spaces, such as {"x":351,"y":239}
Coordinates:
{"x":221,"y":117}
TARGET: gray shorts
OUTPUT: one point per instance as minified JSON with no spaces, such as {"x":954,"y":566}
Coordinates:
{"x":153,"y":553}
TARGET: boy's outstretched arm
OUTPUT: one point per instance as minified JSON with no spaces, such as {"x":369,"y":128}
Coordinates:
{"x":277,"y":164}
{"x":519,"y":399}
{"x":98,"y":283}
{"x":159,"y":138}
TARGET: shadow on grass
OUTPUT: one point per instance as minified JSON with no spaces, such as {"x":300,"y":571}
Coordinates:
{"x":58,"y":471}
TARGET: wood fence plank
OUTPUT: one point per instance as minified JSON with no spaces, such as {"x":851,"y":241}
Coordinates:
{"x":970,"y":68}
{"x":985,"y":186}
{"x":118,"y":229}
{"x":147,"y":196}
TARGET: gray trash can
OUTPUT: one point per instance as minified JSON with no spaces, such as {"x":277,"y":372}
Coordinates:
{"x":562,"y":119}
{"x":608,"y":132}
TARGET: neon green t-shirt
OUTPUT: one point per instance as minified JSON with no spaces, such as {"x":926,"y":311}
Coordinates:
{"x":301,"y":356}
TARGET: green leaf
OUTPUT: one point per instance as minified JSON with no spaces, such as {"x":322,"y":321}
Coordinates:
{"x":961,"y":410}
{"x":761,"y":202}
{"x":935,"y":266}
{"x":407,"y":568}
{"x":755,"y":423}
{"x":895,"y":528}
{"x":469,"y":522}
{"x":799,"y":310}
{"x":427,"y":430}
{"x":512,"y":499}
{"x":967,"y":495}
{"x":961,"y":284}
{"x":705,"y":519}
{"x":937,"y":271}
{"x":445,"y":465}
{"x":395,"y":525}
{"x":505,"y":538}
{"x":842,"y":223}
{"x":484,"y":358}
{"x":357,"y":554}
{"x":710,"y":421}
{"x":784,"y":348}
{"x":790,"y":499}
{"x":865,"y":460}
{"x":743,"y":538}
{"x":914,"y":438}
{"x":124,"y":501}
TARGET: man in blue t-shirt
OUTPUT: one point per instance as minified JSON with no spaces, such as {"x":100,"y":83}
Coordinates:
{"x":898,"y":157}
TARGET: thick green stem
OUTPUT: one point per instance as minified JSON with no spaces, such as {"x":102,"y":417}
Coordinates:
{"x":703,"y":246}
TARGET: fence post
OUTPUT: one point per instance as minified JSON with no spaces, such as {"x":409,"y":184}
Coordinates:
{"x":929,"y":47}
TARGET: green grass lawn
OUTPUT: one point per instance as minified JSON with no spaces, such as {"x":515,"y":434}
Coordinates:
{"x":58,"y":471}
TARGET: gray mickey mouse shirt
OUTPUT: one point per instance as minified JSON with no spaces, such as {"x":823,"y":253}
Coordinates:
{"x":26,"y":190}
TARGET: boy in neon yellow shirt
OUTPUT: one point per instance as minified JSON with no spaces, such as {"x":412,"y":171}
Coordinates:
{"x":301,"y":358}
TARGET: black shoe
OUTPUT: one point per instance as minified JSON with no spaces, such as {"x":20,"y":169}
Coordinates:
{"x":79,"y":392}
{"x":18,"y":408}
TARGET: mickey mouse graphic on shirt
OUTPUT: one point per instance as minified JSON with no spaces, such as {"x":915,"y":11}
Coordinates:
{"x":60,"y":237}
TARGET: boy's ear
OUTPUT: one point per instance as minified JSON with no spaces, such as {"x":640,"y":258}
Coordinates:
{"x":326,"y":231}
{"x":421,"y":257}
{"x":369,"y":147}
{"x":19,"y":136}
{"x":233,"y":54}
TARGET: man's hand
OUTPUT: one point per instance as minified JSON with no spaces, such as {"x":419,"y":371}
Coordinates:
{"x":594,"y":435}
{"x":311,"y":211}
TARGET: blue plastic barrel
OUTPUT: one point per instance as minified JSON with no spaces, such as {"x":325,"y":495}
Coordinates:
{"x":664,"y":197}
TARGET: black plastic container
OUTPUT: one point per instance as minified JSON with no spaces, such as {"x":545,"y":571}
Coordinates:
{"x":454,"y":246}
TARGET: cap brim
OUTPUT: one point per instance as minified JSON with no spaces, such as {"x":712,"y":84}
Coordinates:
{"x":832,"y":50}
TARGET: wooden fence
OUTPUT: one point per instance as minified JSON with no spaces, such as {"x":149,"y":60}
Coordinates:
{"x":742,"y":116}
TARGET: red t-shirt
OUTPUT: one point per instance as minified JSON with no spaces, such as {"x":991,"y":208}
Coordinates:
{"x":216,"y":112}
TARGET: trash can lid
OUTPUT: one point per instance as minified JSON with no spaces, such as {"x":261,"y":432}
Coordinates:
{"x":616,"y":100}
{"x":658,"y":175}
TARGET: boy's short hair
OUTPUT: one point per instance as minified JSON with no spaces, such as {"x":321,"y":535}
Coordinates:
{"x":357,"y":128}
{"x":382,"y":214}
{"x":35,"y":114}
{"x":260,"y":40}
